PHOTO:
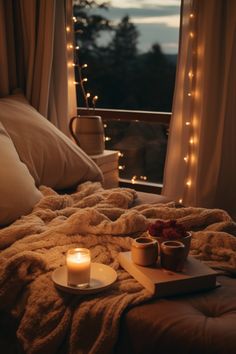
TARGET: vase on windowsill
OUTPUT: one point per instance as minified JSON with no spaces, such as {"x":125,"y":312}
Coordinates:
{"x":88,"y":133}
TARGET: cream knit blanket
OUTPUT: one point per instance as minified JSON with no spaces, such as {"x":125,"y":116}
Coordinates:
{"x":105,"y":222}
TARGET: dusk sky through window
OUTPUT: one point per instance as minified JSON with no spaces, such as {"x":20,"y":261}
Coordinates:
{"x":156,"y":20}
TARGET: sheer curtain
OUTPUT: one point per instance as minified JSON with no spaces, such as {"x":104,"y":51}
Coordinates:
{"x":34,"y":37}
{"x":200,"y":166}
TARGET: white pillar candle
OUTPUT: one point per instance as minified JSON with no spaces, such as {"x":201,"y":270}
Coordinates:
{"x":78,"y":262}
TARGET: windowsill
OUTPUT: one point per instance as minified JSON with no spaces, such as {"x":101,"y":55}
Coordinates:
{"x":141,"y":186}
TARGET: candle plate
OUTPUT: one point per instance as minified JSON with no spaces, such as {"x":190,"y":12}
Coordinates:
{"x":102,"y":277}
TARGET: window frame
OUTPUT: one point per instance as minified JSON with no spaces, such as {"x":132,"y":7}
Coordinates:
{"x":132,"y":115}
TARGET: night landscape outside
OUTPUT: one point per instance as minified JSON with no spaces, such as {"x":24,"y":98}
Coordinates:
{"x":131,"y":48}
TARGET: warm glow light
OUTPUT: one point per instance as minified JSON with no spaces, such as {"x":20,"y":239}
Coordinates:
{"x":88,"y":95}
{"x":191,"y":34}
{"x":133,"y":179}
{"x":180,"y":201}
{"x":74,"y":19}
{"x":188,"y":183}
{"x":85,"y":79}
{"x":190,"y":74}
{"x":121,"y":167}
{"x":187,"y":123}
{"x":189,"y":94}
{"x":67,"y":29}
{"x":105,"y":125}
{"x":191,"y":141}
{"x":77,"y":47}
{"x":84,"y":65}
{"x":70,"y":46}
{"x":75,"y":83}
{"x":191,"y":15}
{"x":186,"y":158}
{"x":107,"y":138}
{"x":120,"y":154}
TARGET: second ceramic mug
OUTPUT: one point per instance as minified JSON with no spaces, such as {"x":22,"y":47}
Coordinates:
{"x":172,"y":254}
{"x":144,"y":251}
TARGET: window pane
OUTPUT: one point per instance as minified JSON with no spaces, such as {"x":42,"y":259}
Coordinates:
{"x":128,"y":53}
{"x":131,"y":50}
{"x":142,"y":146}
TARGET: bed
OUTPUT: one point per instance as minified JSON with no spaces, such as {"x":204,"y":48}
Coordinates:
{"x":125,"y":318}
{"x":37,"y":317}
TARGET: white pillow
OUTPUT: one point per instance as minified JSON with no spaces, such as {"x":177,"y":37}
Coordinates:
{"x":18,"y":193}
{"x":51,"y":157}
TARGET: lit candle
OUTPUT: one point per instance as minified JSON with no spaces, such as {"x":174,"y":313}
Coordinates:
{"x":78,"y":262}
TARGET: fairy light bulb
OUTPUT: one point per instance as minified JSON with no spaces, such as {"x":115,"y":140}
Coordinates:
{"x":180,"y":200}
{"x":190,"y":74}
{"x":186,"y":158}
{"x":187,"y":123}
{"x":88,"y":94}
{"x":189,"y":94}
{"x":120,"y":154}
{"x":191,"y":15}
{"x":67,"y":29}
{"x":188,"y":183}
{"x":191,"y":141}
{"x":191,"y":34}
{"x":84,"y":66}
{"x":121,"y":167}
{"x":77,"y":47}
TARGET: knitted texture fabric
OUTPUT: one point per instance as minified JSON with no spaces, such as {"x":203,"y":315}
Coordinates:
{"x":104,"y":221}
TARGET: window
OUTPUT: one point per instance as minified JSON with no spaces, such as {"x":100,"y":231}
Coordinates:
{"x":130,"y":48}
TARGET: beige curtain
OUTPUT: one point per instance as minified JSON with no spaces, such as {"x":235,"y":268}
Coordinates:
{"x":35,"y":52}
{"x":201,"y":165}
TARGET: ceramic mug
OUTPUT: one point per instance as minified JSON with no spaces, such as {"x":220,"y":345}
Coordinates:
{"x":172,"y":254}
{"x":144,"y":251}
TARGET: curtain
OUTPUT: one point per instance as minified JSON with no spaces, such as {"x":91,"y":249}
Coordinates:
{"x":34,"y":37}
{"x":200,"y":167}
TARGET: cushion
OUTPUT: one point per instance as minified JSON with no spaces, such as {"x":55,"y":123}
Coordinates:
{"x":18,"y":193}
{"x":51,"y":157}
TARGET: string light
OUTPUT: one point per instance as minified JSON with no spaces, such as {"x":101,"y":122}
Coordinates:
{"x":120,"y":154}
{"x":107,"y":138}
{"x":121,"y":167}
{"x":188,"y":183}
{"x":189,"y":157}
{"x":186,"y":158}
{"x":191,"y":141}
{"x":190,"y":74}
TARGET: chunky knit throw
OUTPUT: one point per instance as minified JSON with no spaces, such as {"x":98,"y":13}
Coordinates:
{"x":104,"y":221}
